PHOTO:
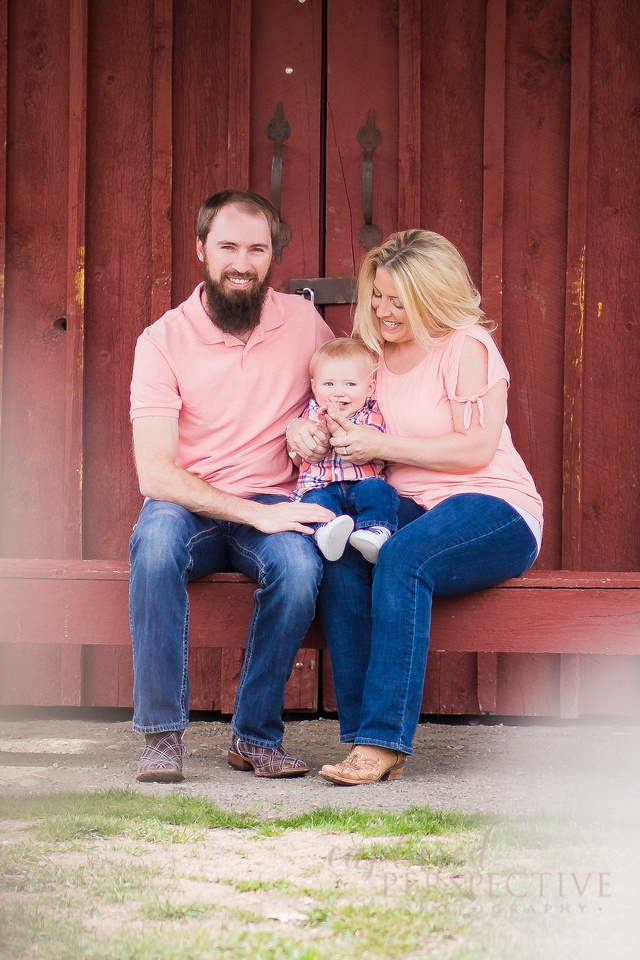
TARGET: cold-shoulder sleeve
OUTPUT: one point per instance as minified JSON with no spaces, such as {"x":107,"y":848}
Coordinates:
{"x":496,"y":370}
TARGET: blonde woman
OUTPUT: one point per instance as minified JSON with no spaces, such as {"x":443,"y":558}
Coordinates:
{"x":469,"y":517}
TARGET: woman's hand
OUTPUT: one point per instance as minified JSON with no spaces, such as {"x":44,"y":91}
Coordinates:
{"x":354,"y":443}
{"x":308,"y":439}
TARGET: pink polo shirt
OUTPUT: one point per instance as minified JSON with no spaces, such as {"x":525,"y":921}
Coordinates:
{"x":232,"y":400}
{"x":418,"y":404}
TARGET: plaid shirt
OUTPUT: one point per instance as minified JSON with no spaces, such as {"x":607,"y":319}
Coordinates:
{"x":332,"y":469}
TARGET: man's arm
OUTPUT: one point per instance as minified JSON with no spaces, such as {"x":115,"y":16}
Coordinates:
{"x":155,"y":444}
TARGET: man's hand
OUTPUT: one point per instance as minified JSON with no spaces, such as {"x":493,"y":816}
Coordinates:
{"x":310,"y":440}
{"x":288,"y":515}
{"x":354,"y":443}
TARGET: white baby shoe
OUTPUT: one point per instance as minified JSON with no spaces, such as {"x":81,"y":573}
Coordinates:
{"x":332,"y":537}
{"x":369,"y":540}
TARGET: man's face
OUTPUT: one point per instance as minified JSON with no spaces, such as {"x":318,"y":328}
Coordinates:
{"x":237,"y":257}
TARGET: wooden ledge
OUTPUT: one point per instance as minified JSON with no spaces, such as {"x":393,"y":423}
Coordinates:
{"x":85,"y":601}
{"x":16,"y":568}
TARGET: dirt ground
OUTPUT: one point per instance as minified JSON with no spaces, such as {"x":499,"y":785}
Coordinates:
{"x":590,"y":768}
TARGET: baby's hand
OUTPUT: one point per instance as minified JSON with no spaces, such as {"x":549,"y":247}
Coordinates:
{"x":331,"y":417}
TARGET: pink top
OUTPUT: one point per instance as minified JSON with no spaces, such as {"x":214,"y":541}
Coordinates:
{"x":232,"y":400}
{"x":417,"y":404}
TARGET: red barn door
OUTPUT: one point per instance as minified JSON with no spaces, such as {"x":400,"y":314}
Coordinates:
{"x":509,"y":126}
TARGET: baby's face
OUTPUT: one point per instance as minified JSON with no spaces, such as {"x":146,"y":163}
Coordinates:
{"x":343,"y":382}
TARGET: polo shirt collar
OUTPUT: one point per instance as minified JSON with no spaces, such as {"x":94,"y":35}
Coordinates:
{"x":271,"y":318}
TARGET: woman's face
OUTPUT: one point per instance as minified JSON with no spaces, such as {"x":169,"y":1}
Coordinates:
{"x":387,"y":306}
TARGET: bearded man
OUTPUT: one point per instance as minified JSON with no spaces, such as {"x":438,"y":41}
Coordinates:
{"x":215,"y":383}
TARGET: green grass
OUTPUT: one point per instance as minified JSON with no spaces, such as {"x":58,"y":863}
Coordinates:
{"x":85,"y":859}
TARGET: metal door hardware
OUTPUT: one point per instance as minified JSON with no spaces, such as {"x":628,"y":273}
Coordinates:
{"x":369,"y":137}
{"x":326,"y":290}
{"x":278,"y":131}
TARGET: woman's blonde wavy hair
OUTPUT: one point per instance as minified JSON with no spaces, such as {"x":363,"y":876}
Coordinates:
{"x":433,"y":284}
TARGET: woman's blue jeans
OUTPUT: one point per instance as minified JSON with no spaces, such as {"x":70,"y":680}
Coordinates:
{"x":377,"y":622}
{"x":170,"y":546}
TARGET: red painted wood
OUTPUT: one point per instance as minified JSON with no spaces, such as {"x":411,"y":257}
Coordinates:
{"x":75,"y":325}
{"x":301,"y":692}
{"x":35,"y":281}
{"x":201,"y":70}
{"x":119,"y":261}
{"x":493,"y":181}
{"x":611,"y":474}
{"x":453,"y":65}
{"x":538,"y":101}
{"x":162,"y":162}
{"x":60,"y":607}
{"x":409,"y":113}
{"x":450,"y":684}
{"x":576,"y":280}
{"x":528,"y":686}
{"x":239,"y":92}
{"x":286,"y":67}
{"x":487,"y":681}
{"x":357,"y":84}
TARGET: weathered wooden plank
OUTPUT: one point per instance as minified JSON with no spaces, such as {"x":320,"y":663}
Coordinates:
{"x":15,"y":568}
{"x":294,"y":79}
{"x":566,"y":620}
{"x":452,"y":124}
{"x":162,"y":158}
{"x":301,"y":691}
{"x":409,"y":113}
{"x":119,"y":260}
{"x":71,"y":675}
{"x":487,"y":681}
{"x":527,"y":685}
{"x":75,"y":314}
{"x":611,"y":458}
{"x":35,"y":281}
{"x":351,"y":95}
{"x":239,"y":92}
{"x":572,"y":466}
{"x":538,"y":79}
{"x":493,"y":178}
{"x":450,"y":684}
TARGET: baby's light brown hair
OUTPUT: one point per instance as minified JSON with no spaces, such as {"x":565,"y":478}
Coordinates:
{"x":344,"y":348}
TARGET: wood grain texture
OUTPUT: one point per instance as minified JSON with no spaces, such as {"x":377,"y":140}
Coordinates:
{"x":76,"y":254}
{"x":409,"y":113}
{"x":494,"y":146}
{"x":35,"y":281}
{"x":611,"y":454}
{"x":286,"y":68}
{"x":119,"y":261}
{"x":162,"y":162}
{"x":537,"y":113}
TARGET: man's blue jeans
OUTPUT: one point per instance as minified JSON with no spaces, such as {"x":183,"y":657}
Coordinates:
{"x":372,"y":502}
{"x":170,"y":546}
{"x":377,"y":620}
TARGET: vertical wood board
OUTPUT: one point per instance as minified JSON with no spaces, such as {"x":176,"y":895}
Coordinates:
{"x":35,"y":281}
{"x":286,"y":53}
{"x":538,"y":99}
{"x":119,"y":261}
{"x":611,"y":453}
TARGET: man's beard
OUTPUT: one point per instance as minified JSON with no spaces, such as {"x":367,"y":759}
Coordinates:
{"x":239,"y":312}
